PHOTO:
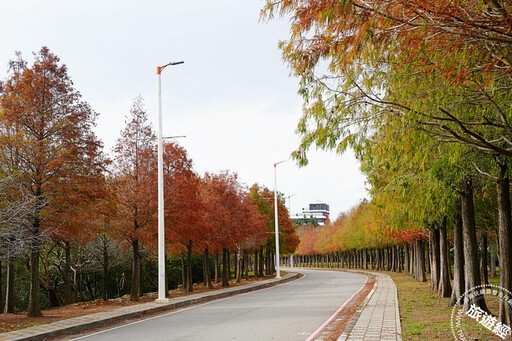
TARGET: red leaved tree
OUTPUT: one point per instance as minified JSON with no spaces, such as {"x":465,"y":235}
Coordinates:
{"x":250,"y":227}
{"x":184,"y":222}
{"x":135,"y":183}
{"x":222,"y":194}
{"x":307,"y":243}
{"x":51,"y":145}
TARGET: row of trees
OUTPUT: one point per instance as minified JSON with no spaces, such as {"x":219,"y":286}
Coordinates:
{"x":69,"y":214}
{"x":421,"y":91}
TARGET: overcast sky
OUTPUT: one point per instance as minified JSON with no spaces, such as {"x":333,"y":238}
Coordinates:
{"x":233,"y":98}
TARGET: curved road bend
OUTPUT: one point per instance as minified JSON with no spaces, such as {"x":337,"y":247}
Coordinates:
{"x":290,"y":311}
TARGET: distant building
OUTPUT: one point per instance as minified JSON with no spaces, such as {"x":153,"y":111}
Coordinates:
{"x":318,"y":211}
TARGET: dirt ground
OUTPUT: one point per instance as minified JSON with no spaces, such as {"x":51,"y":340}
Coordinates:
{"x":10,"y":322}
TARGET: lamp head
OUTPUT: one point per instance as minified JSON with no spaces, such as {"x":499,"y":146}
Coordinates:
{"x":160,"y":68}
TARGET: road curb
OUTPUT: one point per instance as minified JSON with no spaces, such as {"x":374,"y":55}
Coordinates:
{"x":82,"y":323}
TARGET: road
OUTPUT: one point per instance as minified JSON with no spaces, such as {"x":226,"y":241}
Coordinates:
{"x":290,"y":311}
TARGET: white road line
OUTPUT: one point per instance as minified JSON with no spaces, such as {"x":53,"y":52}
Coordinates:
{"x":316,"y":332}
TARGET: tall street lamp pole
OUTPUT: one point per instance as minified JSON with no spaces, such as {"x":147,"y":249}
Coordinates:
{"x":161,"y":230}
{"x":290,"y":202}
{"x":278,"y":269}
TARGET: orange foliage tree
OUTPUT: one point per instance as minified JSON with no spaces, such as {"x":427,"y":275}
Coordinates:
{"x":184,"y":220}
{"x":135,"y":186}
{"x":221,"y":193}
{"x":307,"y":243}
{"x":237,"y":222}
{"x":47,"y":138}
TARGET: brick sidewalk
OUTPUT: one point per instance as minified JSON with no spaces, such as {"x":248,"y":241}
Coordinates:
{"x":378,"y":317}
{"x":79,"y":324}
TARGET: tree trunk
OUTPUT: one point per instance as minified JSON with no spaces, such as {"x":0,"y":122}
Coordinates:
{"x":247,"y":259}
{"x":1,"y":286}
{"x":268,"y":266}
{"x":9,"y":290}
{"x":505,"y":238}
{"x":267,"y":261}
{"x":105,"y":272}
{"x":396,"y":249}
{"x":54,"y":297}
{"x":483,"y":259}
{"x":225,"y":268}
{"x":77,"y":280}
{"x":141,"y":272}
{"x":472,"y":270}
{"x":420,"y":260}
{"x":136,"y":262}
{"x":217,"y":269}
{"x":204,"y":270}
{"x":238,"y":266}
{"x":229,"y":264}
{"x":235,"y":263}
{"x":184,"y":276}
{"x":68,"y":290}
{"x":34,"y":310}
{"x":377,"y":260}
{"x":458,"y":259}
{"x":434,"y":258}
{"x":412,"y":260}
{"x":190,"y":284}
{"x":255,"y":265}
{"x":207,"y":275}
{"x":383,"y":254}
{"x":397,"y":255}
{"x":406,"y":259}
{"x":272,"y":262}
{"x":262,"y":263}
{"x":389,"y":252}
{"x":492,"y":265}
{"x":445,"y":287}
{"x":396,"y":261}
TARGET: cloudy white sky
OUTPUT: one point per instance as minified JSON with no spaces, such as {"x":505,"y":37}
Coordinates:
{"x":233,"y":98}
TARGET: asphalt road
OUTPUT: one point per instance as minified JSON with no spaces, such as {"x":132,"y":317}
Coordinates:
{"x":290,"y":311}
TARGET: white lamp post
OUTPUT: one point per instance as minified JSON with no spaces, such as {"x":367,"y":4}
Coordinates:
{"x":290,"y":202}
{"x":161,"y":227}
{"x":278,"y":269}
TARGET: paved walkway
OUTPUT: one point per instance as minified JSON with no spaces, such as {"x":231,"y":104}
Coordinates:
{"x":378,"y":317}
{"x":82,"y":323}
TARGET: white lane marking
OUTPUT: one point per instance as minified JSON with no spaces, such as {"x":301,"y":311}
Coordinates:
{"x":316,"y":332}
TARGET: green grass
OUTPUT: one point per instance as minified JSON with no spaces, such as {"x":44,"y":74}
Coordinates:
{"x":424,"y":315}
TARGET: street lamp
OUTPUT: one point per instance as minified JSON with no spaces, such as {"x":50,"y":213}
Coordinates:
{"x":278,"y":269}
{"x":161,"y":231}
{"x":290,"y":202}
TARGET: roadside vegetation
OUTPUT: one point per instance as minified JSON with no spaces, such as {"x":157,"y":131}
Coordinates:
{"x":421,"y":92}
{"x":11,"y":322}
{"x":77,"y":224}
